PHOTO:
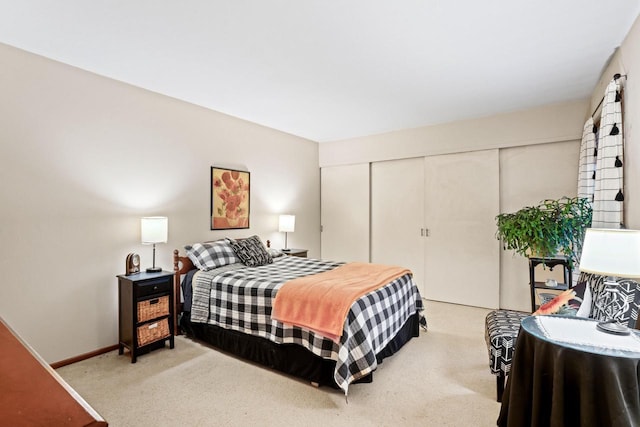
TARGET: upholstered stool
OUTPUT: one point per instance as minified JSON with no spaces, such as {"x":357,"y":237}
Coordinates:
{"x":501,"y":331}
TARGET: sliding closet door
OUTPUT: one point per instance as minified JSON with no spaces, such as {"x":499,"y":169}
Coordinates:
{"x":397,"y":215}
{"x":462,"y":263}
{"x":344,"y":212}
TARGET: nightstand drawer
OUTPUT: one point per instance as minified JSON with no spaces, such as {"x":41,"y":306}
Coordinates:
{"x":153,"y":308}
{"x":302,"y":253}
{"x":153,"y":331}
{"x":151,"y":287}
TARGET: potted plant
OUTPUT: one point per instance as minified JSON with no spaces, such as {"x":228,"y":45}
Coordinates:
{"x":551,"y":228}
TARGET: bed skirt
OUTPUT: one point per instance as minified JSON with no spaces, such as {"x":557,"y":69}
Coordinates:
{"x":290,"y":359}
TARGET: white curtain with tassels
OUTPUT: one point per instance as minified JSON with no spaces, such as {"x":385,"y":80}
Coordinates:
{"x":600,"y":171}
{"x":587,"y":165}
{"x":586,"y":171}
{"x":608,"y":194}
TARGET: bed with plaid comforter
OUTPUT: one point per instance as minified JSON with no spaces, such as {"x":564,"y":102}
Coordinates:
{"x":241,"y":298}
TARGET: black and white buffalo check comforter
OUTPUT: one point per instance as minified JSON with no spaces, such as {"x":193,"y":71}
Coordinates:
{"x":241,"y":299}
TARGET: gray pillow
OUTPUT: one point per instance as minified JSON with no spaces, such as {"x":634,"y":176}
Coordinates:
{"x":251,"y":251}
{"x":620,"y":302}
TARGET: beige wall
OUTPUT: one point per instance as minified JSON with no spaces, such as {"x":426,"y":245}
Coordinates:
{"x":539,"y":153}
{"x":630,"y":53}
{"x":528,"y":175}
{"x":82,"y":158}
{"x":538,"y":159}
{"x":551,"y":123}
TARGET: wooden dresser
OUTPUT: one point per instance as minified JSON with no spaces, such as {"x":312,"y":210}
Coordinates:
{"x":33,"y":394}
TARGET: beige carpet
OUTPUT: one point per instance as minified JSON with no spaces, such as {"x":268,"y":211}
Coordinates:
{"x":441,"y":378}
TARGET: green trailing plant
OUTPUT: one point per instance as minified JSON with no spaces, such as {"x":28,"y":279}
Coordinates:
{"x":551,"y":228}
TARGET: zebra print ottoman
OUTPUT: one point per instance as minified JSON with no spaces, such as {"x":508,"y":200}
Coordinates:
{"x":501,"y":331}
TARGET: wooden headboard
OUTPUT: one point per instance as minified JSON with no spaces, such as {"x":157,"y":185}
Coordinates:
{"x":182,"y":265}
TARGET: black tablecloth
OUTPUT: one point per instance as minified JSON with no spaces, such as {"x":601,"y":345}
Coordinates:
{"x":558,"y":384}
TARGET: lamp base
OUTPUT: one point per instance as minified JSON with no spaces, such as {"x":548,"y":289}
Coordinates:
{"x":154,"y":269}
{"x":612,"y":327}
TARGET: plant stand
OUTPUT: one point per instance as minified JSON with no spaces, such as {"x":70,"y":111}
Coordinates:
{"x":535,"y":285}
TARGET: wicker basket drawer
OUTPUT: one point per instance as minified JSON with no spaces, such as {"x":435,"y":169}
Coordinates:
{"x":153,"y":308}
{"x":154,"y":331}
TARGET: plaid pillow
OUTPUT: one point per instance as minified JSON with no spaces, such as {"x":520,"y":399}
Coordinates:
{"x":207,"y":256}
{"x":251,"y":251}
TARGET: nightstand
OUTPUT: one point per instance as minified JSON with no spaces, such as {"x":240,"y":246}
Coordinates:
{"x":302,"y":253}
{"x":146,"y":312}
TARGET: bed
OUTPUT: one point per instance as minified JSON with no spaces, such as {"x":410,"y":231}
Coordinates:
{"x":229,"y":305}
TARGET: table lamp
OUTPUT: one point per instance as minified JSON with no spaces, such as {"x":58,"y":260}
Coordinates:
{"x":612,"y":253}
{"x":154,"y":229}
{"x":287,"y":225}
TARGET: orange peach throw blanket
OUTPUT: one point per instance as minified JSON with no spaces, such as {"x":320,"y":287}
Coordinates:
{"x":320,"y":302}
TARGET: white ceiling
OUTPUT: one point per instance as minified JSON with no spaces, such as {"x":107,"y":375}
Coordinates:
{"x":329,"y":70}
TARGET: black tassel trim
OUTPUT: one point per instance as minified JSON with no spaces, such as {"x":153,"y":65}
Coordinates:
{"x":618,"y":97}
{"x":618,"y":162}
{"x":594,"y":175}
{"x":594,"y":129}
{"x":595,"y":152}
{"x":614,"y":130}
{"x":619,"y":196}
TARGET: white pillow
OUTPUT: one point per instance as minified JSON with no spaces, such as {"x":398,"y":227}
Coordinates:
{"x":274,"y":252}
{"x":585,"y":307}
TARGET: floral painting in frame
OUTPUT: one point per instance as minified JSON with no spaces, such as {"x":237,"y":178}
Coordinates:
{"x":229,"y":199}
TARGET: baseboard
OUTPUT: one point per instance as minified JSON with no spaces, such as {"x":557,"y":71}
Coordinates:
{"x":85,"y":356}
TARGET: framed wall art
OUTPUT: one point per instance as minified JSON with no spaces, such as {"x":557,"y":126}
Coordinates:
{"x":229,"y":198}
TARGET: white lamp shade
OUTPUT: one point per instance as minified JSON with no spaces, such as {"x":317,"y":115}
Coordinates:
{"x":287,"y":223}
{"x":611,"y":252}
{"x":154,"y":229}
